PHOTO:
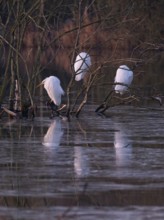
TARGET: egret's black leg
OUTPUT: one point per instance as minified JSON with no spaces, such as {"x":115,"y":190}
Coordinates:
{"x":104,"y":105}
{"x":53,"y":108}
{"x":100,"y":107}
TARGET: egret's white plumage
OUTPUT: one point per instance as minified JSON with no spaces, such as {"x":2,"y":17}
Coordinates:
{"x":53,"y":88}
{"x":81,"y":65}
{"x":125,"y":76}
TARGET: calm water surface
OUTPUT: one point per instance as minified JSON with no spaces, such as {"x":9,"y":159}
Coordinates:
{"x":88,"y":168}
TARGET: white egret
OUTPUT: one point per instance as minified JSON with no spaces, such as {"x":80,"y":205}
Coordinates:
{"x":123,"y":80}
{"x":53,"y":88}
{"x":81,"y":65}
{"x":125,"y":76}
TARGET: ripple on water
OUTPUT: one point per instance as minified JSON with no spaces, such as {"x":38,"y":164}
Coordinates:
{"x":56,"y":168}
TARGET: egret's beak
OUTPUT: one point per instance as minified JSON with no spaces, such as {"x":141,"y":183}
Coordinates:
{"x":39,"y":84}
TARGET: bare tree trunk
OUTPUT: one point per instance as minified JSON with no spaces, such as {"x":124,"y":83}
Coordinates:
{"x":12,"y":84}
{"x":72,"y":61}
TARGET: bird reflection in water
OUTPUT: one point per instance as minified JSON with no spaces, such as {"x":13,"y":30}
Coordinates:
{"x":122,"y":145}
{"x":81,"y":165}
{"x":81,"y":158}
{"x":54,"y":134}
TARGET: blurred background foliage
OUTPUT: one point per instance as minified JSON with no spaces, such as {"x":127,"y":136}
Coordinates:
{"x":143,"y":20}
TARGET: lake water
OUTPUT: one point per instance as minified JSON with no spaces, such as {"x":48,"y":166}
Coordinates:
{"x":89,"y":168}
{"x":92,"y":167}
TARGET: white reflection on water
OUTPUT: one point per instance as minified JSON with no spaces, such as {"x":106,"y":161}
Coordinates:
{"x":81,"y":159}
{"x":54,"y":134}
{"x":81,"y":163}
{"x":122,"y":144}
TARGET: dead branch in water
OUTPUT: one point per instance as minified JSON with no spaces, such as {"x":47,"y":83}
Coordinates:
{"x":9,"y":112}
{"x":93,"y":76}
